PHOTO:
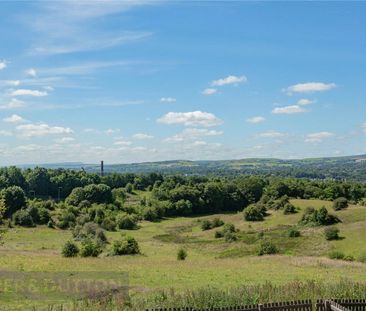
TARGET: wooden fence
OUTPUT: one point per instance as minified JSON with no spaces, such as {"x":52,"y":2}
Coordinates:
{"x":299,"y":305}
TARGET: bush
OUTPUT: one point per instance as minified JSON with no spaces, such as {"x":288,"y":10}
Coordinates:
{"x":289,"y":209}
{"x":319,"y":217}
{"x":340,"y":203}
{"x":219,"y":234}
{"x":40,"y":215}
{"x":331,"y":233}
{"x":129,"y":188}
{"x":150,"y":214}
{"x":126,"y":221}
{"x":90,"y":248}
{"x":182,"y":254}
{"x":336,"y":255}
{"x":23,"y":218}
{"x":267,"y":248}
{"x":66,"y":220}
{"x":126,"y":246}
{"x":230,"y":237}
{"x":255,"y":212}
{"x":217,"y":222}
{"x":109,"y":224}
{"x":206,"y":225}
{"x":293,"y":233}
{"x":70,"y":249}
{"x":229,"y":228}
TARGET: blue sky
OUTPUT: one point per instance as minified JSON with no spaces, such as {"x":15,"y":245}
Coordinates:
{"x":133,"y":81}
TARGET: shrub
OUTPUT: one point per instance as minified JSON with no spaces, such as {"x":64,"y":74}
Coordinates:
{"x":109,"y":224}
{"x":182,"y":254}
{"x":90,"y":248}
{"x":219,"y":234}
{"x":331,"y":233}
{"x":267,"y":248}
{"x":129,"y":188}
{"x":40,"y":215}
{"x":229,"y":228}
{"x":230,"y":236}
{"x":289,"y":209}
{"x":336,"y":255}
{"x":126,"y":221}
{"x":66,"y":220}
{"x":23,"y":218}
{"x":319,"y":217}
{"x":293,"y":233}
{"x":70,"y":249}
{"x":255,"y":212}
{"x":100,"y":236}
{"x":126,"y":246}
{"x":150,"y":214}
{"x":206,"y":225}
{"x":217,"y":222}
{"x":340,"y":203}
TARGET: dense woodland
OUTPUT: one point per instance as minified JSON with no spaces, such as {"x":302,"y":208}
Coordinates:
{"x":177,"y":195}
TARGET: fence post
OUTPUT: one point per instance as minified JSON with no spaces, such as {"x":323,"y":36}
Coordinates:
{"x":327,"y":305}
{"x":260,"y":307}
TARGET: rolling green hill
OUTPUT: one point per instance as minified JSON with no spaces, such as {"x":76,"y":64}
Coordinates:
{"x":350,"y":167}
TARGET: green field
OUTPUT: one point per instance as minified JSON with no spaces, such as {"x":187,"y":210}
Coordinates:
{"x":210,"y":261}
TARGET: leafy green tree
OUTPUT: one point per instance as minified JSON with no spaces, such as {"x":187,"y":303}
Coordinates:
{"x":255,"y":212}
{"x":13,"y":199}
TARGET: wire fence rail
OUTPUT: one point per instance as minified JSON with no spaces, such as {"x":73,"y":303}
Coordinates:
{"x":297,"y":305}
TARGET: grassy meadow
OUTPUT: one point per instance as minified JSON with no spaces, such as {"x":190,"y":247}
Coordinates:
{"x":210,"y":261}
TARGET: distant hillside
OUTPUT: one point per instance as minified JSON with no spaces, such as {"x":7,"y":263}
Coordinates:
{"x":350,"y":167}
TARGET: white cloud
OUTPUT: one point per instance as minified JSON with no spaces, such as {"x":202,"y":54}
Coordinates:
{"x":310,"y":87}
{"x":194,"y":118}
{"x":304,"y":102}
{"x":168,"y":99}
{"x":14,"y":119}
{"x":5,"y":133}
{"x":122,"y":143}
{"x":142,"y":136}
{"x":192,"y":133}
{"x":229,"y":80}
{"x":289,"y":109}
{"x":64,"y":140}
{"x":257,"y":119}
{"x":112,"y":131}
{"x":42,"y":129}
{"x":209,"y":91}
{"x":13,"y":104}
{"x":317,"y":137}
{"x":31,"y":72}
{"x":24,"y":92}
{"x":271,"y":134}
{"x":2,"y":64}
{"x":12,"y":82}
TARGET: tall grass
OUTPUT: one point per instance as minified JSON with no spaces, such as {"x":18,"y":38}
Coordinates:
{"x":210,"y":297}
